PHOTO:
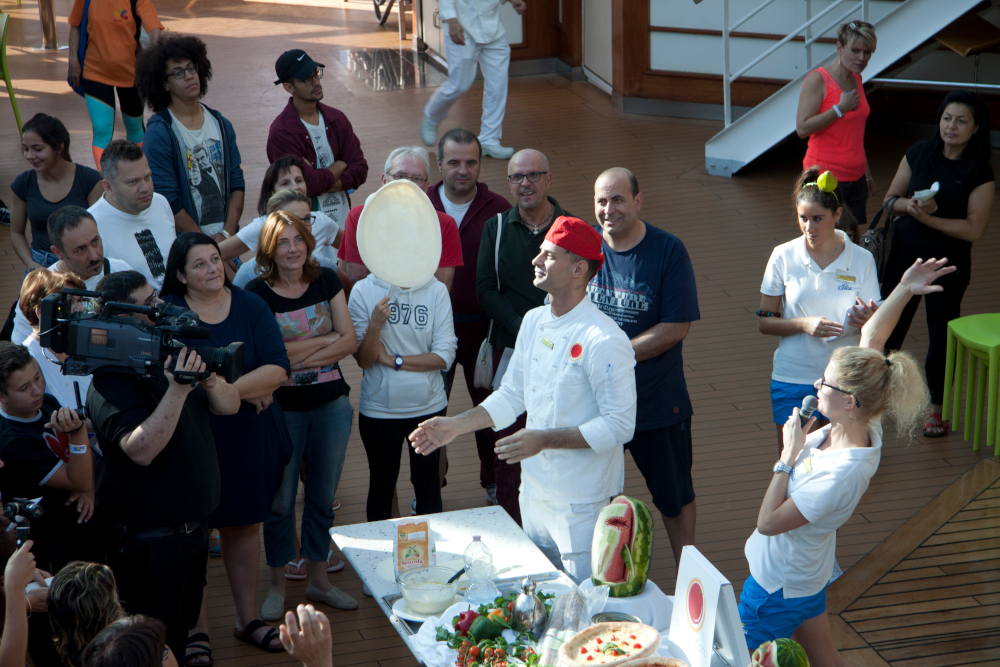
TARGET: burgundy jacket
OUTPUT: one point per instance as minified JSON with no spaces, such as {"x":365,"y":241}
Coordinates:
{"x":485,"y":206}
{"x":288,"y":136}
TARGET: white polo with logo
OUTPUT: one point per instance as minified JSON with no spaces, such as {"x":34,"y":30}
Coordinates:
{"x":809,"y":291}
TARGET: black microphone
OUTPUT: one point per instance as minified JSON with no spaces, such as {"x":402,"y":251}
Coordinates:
{"x":807,"y":409}
{"x":194,"y":332}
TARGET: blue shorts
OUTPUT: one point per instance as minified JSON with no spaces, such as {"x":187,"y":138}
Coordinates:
{"x":785,"y":396}
{"x":770,"y":616}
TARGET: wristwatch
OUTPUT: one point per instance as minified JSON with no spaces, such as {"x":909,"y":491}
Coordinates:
{"x":397,"y":363}
{"x":781,"y":467}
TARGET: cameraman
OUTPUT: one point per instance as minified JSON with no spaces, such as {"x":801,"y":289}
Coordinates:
{"x":45,"y":452}
{"x":162,"y":480}
{"x":127,"y":287}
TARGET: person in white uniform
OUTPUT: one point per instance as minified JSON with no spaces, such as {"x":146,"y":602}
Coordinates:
{"x":474,"y":35}
{"x":820,"y":478}
{"x":573,"y":370}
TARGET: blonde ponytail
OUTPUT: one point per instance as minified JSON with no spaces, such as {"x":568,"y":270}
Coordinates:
{"x":881,"y":384}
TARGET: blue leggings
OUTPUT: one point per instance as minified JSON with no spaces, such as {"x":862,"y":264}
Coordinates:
{"x":101,"y":107}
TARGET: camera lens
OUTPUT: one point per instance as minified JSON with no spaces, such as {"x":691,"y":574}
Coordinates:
{"x":225,"y":361}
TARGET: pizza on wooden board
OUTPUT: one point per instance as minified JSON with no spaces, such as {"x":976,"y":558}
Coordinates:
{"x":609,"y":644}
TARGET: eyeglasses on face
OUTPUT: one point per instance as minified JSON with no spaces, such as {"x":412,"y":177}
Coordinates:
{"x":179,"y":72}
{"x":533,"y":177}
{"x":309,"y":219}
{"x":401,"y":176}
{"x":315,"y":76}
{"x":151,"y":300}
{"x":824,"y":383}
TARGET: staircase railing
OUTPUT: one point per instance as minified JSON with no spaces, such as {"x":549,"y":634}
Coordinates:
{"x":807,"y":27}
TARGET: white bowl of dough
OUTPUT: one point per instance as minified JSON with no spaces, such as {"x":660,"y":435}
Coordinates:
{"x":426,"y":589}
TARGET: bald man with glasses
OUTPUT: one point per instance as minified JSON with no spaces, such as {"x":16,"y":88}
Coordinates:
{"x":507,"y":294}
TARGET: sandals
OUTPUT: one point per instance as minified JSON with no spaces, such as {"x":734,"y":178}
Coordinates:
{"x":264,"y":644}
{"x":298,"y":566}
{"x":336,"y":504}
{"x":935,"y":427}
{"x":198,"y":641}
{"x":333,"y":568}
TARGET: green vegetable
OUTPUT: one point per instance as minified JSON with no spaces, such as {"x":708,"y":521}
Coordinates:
{"x":484,"y":628}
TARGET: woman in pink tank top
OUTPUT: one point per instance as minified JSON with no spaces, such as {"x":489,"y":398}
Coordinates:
{"x":832,"y":114}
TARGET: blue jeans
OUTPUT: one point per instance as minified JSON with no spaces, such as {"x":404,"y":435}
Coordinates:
{"x":321,"y":435}
{"x":43,"y":257}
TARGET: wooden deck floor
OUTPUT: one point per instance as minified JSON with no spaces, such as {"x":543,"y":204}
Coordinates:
{"x":728,"y":225}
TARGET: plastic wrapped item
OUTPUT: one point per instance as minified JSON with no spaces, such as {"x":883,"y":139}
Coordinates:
{"x":570,"y":613}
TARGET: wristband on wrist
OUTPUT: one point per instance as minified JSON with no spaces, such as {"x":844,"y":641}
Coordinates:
{"x":225,"y":234}
{"x":77,"y":449}
{"x":836,"y":110}
{"x":767,"y":313}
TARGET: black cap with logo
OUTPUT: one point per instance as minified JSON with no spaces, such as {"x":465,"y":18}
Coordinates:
{"x":294,"y":64}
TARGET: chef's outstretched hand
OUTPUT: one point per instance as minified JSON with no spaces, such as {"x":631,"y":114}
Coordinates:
{"x":522,"y":445}
{"x":433,"y":434}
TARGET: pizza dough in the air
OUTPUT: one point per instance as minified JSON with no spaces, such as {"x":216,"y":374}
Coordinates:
{"x":399,"y":236}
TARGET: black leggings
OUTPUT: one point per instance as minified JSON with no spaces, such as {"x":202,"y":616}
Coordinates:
{"x":128,"y":98}
{"x":941,"y":307}
{"x":856,"y":196}
{"x":382,"y":439}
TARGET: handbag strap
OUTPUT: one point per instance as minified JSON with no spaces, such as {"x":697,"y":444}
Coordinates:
{"x":496,"y":264}
{"x":878,"y":216}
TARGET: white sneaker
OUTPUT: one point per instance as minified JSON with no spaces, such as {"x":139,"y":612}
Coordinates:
{"x":497,"y":152}
{"x":491,"y":494}
{"x":428,"y":131}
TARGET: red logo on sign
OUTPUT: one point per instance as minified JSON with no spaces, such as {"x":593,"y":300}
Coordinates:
{"x":695,"y":605}
{"x":576,"y":351}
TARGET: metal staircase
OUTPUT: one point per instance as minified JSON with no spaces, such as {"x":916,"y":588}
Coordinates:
{"x":900,"y":32}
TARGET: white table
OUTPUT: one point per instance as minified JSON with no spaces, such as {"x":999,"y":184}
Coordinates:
{"x":368,"y":547}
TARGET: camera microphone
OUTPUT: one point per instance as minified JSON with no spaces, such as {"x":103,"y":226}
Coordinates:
{"x":199,"y":333}
{"x":808,"y":407}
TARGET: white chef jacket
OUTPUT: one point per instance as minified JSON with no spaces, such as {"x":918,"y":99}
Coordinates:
{"x":480,"y":19}
{"x":575,"y":370}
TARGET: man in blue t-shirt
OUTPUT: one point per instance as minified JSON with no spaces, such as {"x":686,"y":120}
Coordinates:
{"x":647,"y":286}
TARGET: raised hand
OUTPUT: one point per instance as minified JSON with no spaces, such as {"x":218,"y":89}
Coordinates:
{"x":918,"y":278}
{"x":308,"y":637}
{"x":849,"y":101}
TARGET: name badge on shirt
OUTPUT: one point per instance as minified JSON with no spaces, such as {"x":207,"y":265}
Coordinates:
{"x":547,"y":343}
{"x":808,"y":464}
{"x":844,"y":278}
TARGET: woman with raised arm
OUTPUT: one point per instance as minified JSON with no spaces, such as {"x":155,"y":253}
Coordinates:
{"x":833,"y":111}
{"x":957,"y":159}
{"x":820,"y":478}
{"x":310,"y":309}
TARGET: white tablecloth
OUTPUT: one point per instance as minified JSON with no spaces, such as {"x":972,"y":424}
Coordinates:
{"x":652,"y":606}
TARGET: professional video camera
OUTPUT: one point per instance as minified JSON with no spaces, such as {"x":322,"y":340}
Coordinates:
{"x":19,"y":511}
{"x":98,"y":343}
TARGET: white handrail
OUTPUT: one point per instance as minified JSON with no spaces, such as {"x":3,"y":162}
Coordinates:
{"x":727,"y":28}
{"x":934,"y":84}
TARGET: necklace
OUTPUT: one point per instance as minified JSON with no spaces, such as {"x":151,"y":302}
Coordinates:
{"x":534,"y":228}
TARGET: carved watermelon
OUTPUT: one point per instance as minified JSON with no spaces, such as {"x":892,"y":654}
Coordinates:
{"x":779,"y":653}
{"x":622,"y":547}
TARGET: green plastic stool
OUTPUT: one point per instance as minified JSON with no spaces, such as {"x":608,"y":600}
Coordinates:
{"x":980,"y":336}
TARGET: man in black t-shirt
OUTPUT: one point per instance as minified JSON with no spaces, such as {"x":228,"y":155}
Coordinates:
{"x":162,"y":480}
{"x":45,"y":453}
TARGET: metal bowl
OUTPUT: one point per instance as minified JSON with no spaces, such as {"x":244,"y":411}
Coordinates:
{"x":426,"y":589}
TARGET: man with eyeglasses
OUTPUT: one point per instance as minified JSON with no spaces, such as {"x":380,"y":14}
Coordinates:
{"x":505,"y":285}
{"x":319,"y":135}
{"x":413,"y":164}
{"x":474,"y":36}
{"x":191,"y":148}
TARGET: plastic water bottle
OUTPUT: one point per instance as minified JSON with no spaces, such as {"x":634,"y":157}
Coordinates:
{"x":479,"y":569}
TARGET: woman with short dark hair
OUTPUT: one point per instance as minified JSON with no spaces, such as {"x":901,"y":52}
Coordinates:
{"x":253,"y":445}
{"x":957,"y":159}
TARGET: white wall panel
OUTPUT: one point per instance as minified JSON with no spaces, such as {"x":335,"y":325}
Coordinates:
{"x":702,"y":54}
{"x":597,"y":38}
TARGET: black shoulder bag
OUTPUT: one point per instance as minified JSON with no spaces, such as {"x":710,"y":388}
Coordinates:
{"x":878,"y":240}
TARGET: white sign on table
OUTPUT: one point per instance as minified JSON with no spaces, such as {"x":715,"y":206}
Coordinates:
{"x":705,"y":621}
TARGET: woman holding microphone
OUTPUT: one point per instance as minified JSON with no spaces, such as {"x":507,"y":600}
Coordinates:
{"x":820,"y":478}
{"x":818,"y":291}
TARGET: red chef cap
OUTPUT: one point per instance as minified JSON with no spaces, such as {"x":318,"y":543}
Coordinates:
{"x":577,"y":237}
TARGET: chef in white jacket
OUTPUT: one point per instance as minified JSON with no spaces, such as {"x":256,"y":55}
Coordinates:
{"x":573,"y":370}
{"x":474,"y":34}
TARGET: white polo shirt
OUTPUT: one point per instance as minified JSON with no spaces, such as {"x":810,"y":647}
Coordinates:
{"x":810,"y":291}
{"x":826,"y":486}
{"x":575,"y":370}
